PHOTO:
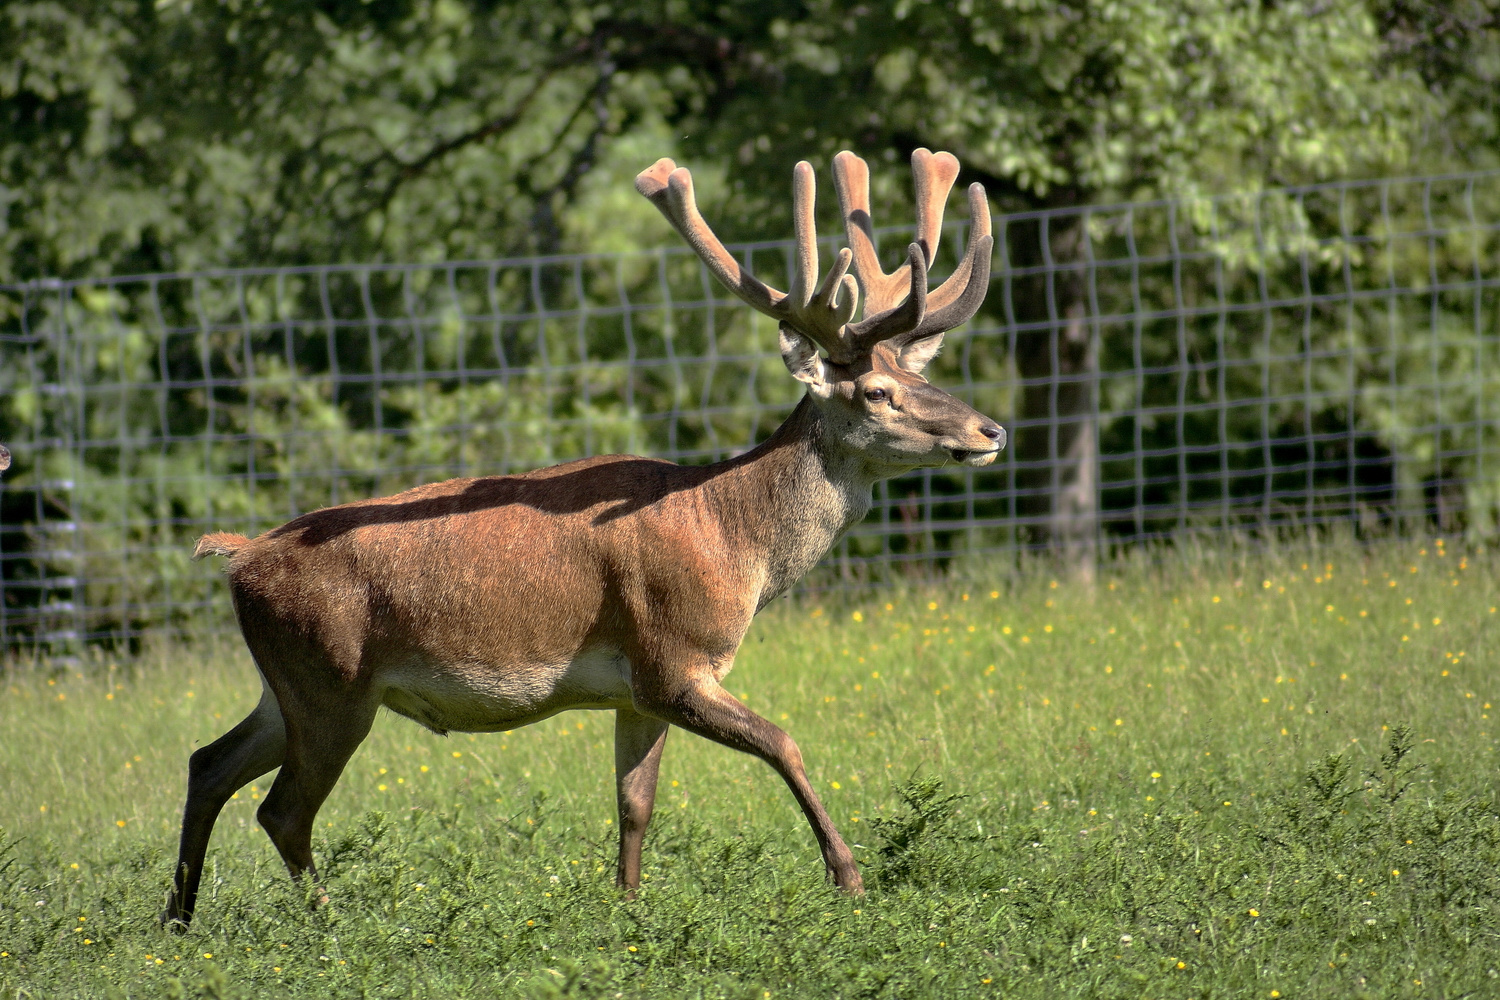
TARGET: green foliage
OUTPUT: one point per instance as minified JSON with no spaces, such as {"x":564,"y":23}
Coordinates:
{"x":175,"y":135}
{"x":1347,"y":310}
{"x":1063,"y":102}
{"x":1454,"y":49}
{"x":594,"y":981}
{"x":916,"y":843}
{"x":1293,"y":798}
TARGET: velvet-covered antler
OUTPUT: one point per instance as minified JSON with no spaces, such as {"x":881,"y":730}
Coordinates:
{"x":955,"y":301}
{"x":897,"y":305}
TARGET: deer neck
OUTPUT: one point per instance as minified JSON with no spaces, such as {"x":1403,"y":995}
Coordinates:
{"x":787,"y":501}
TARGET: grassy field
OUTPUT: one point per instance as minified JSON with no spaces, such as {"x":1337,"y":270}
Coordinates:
{"x":1218,"y":773}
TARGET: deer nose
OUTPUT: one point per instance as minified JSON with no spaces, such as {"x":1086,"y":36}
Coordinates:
{"x":995,"y":433}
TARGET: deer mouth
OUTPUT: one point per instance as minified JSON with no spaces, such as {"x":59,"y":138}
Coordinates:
{"x":967,"y":456}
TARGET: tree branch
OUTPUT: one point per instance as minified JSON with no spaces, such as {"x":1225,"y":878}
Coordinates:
{"x":578,"y":164}
{"x":415,"y":168}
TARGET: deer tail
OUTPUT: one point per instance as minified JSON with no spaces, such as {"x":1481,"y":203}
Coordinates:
{"x":220,"y":543}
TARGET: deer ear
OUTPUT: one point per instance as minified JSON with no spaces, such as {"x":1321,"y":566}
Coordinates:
{"x":915,"y":356}
{"x":800,"y":355}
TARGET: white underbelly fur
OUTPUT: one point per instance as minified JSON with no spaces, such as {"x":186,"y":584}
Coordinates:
{"x":480,"y":698}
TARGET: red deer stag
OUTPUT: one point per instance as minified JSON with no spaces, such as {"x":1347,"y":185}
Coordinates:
{"x":611,"y":583}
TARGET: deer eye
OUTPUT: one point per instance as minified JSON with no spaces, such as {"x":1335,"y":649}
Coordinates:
{"x":876,"y":395}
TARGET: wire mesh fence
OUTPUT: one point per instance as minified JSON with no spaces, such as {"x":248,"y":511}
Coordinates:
{"x":1293,"y":357}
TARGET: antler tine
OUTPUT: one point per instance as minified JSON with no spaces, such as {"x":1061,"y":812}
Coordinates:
{"x":670,"y":189}
{"x":821,"y":314}
{"x":934,"y":174}
{"x":826,"y":318}
{"x":897,"y":322}
{"x":957,"y":300}
{"x":805,"y":234}
{"x":851,"y":178}
{"x":949,"y":305}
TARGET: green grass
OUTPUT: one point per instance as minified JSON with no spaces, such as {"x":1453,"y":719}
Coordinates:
{"x":1218,"y":773}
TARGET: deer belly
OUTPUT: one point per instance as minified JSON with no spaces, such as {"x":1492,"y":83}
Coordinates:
{"x":481,"y":697}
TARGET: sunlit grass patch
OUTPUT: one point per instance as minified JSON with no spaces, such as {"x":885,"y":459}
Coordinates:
{"x":1232,"y":771}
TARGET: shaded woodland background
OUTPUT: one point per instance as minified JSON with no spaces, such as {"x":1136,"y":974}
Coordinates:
{"x":174,"y":135}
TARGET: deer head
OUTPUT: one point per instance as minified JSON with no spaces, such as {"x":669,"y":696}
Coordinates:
{"x":864,"y":376}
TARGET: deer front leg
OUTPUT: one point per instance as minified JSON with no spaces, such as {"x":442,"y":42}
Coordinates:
{"x":639,"y":740}
{"x":705,"y":708}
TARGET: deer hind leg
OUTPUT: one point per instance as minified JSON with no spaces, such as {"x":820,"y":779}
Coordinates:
{"x":215,"y":773}
{"x":320,"y":741}
{"x":707,"y":709}
{"x":639,"y":740}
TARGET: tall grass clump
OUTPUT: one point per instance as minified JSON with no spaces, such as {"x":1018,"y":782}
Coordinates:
{"x":1214,"y":771}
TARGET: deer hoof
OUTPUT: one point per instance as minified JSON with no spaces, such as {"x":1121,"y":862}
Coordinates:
{"x":849,"y":881}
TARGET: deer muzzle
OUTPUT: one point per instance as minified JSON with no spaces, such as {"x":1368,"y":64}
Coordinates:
{"x":990,"y":431}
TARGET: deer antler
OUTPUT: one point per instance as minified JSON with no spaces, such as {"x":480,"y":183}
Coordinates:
{"x":823,"y":314}
{"x":820,"y":314}
{"x":957,"y":299}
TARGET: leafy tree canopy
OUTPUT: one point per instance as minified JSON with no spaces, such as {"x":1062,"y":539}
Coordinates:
{"x":1060,"y":102}
{"x":189,"y":133}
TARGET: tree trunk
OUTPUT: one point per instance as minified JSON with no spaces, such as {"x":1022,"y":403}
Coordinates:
{"x":1056,"y":434}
